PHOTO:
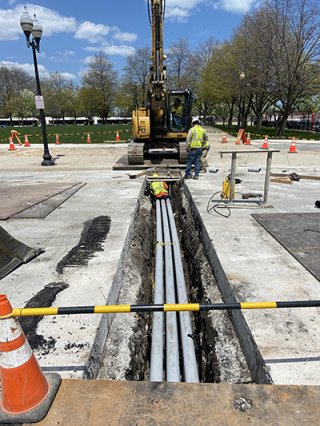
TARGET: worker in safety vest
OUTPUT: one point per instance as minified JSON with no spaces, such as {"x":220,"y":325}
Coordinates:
{"x":159,"y":189}
{"x":196,"y":141}
{"x":204,"y":162}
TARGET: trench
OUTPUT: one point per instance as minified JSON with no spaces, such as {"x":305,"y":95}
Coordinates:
{"x":221,"y":339}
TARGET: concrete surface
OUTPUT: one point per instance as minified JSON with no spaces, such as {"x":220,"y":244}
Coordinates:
{"x":257,"y":267}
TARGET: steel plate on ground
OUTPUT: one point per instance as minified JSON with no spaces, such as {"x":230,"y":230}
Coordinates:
{"x":18,"y":196}
{"x":299,"y":233}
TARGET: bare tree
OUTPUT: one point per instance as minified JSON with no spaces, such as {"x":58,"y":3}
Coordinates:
{"x":136,"y":74}
{"x":102,"y":79}
{"x":290,"y":36}
{"x":178,"y":65}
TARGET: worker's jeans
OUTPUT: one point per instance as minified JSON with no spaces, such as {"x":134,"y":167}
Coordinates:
{"x":194,"y":157}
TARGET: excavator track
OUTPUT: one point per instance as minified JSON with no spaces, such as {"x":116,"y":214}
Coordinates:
{"x":135,"y":153}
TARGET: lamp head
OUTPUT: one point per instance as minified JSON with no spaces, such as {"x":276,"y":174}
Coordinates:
{"x":36,"y":32}
{"x":26,"y":23}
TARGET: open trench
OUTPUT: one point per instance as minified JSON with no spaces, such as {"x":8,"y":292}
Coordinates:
{"x":225,"y":349}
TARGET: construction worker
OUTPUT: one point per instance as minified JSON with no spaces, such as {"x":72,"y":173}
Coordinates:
{"x":159,"y":189}
{"x":196,"y":140}
{"x":204,"y":162}
{"x":177,"y":113}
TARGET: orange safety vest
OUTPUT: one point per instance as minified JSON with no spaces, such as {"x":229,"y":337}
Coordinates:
{"x":159,"y":189}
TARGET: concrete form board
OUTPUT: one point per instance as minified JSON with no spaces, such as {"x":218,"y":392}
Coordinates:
{"x":141,"y":403}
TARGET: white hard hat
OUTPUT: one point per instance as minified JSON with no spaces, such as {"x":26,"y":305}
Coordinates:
{"x":195,"y":120}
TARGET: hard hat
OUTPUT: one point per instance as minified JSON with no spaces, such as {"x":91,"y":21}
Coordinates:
{"x":195,"y":120}
{"x":155,"y":174}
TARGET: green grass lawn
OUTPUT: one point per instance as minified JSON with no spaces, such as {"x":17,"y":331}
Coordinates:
{"x":71,"y":134}
{"x":271,"y":132}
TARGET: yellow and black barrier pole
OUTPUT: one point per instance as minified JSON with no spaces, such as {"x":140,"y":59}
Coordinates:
{"x":193,"y":307}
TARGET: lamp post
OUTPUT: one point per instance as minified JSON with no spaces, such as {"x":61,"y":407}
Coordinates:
{"x":242,"y":76}
{"x":32,"y":27}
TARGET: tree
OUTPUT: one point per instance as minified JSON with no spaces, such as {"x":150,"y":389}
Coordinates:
{"x":136,"y":74}
{"x":12,"y":81}
{"x":290,"y":35}
{"x":101,"y":82}
{"x":178,"y":66}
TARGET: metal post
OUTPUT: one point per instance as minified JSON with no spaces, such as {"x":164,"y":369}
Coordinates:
{"x":172,"y":343}
{"x":47,"y":159}
{"x":189,"y":354}
{"x":233,"y":175}
{"x":156,"y":362}
{"x":267,"y":177}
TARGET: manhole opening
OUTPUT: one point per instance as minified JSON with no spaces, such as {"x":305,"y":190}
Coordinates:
{"x":127,"y":351}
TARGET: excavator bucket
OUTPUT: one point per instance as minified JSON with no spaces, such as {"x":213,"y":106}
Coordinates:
{"x":13,"y":253}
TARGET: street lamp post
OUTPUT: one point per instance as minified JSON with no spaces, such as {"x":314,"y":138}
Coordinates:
{"x":242,"y":76}
{"x":32,"y":27}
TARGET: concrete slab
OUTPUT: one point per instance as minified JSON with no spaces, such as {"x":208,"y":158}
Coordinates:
{"x":257,"y":267}
{"x":141,"y":403}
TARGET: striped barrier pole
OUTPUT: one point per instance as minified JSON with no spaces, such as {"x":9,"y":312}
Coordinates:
{"x":195,"y":307}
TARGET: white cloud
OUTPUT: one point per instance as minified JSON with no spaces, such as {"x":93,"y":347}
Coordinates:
{"x":91,"y":32}
{"x":29,"y":68}
{"x":12,"y":2}
{"x":180,"y":10}
{"x":50,"y":20}
{"x":125,"y":37}
{"x":237,"y":6}
{"x":111,"y":49}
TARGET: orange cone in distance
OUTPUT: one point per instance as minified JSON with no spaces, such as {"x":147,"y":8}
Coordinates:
{"x":88,"y":138}
{"x":265,"y":144}
{"x":224,"y":138}
{"x":24,"y":386}
{"x":117,"y":136}
{"x":26,"y":141}
{"x":293,"y":148}
{"x":248,"y":139}
{"x":58,"y":139}
{"x":11,"y":144}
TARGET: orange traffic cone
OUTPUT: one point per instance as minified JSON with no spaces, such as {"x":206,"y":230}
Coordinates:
{"x":224,"y":138}
{"x":293,"y":148}
{"x":58,"y":139}
{"x":265,"y":144}
{"x":26,"y":141}
{"x":24,"y":386}
{"x":88,"y":138}
{"x":117,"y":136}
{"x":248,"y":139}
{"x":11,"y":144}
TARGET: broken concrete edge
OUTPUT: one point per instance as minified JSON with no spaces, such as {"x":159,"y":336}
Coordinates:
{"x":256,"y":363}
{"x":38,"y":413}
{"x":95,"y":358}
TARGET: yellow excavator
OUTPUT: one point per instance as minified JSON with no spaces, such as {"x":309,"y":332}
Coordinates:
{"x":160,"y":129}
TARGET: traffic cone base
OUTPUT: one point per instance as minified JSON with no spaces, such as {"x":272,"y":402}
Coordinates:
{"x":25,"y":389}
{"x":265,"y":144}
{"x":293,"y":148}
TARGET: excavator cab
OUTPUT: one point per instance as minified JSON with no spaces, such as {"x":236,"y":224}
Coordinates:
{"x":179,"y":111}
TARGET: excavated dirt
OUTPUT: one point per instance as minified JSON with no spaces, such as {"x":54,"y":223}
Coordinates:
{"x":127,"y":350}
{"x":127,"y":346}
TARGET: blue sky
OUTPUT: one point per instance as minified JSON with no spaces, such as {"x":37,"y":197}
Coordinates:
{"x":74,"y":30}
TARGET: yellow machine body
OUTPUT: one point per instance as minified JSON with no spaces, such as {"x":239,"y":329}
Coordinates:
{"x":226,"y":189}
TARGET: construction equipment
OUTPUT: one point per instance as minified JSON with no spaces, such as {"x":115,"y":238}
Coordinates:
{"x":161,"y":127}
